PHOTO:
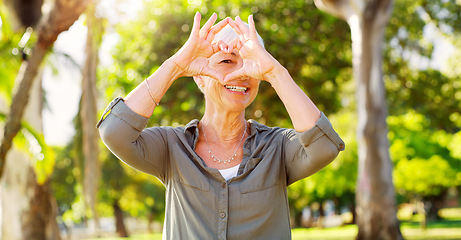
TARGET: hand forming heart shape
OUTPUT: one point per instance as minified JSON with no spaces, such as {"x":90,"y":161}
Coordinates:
{"x":191,"y":59}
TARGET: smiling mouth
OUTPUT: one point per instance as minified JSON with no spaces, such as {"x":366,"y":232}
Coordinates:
{"x":236,"y":88}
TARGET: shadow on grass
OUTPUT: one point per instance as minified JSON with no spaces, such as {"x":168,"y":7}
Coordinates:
{"x":436,"y":224}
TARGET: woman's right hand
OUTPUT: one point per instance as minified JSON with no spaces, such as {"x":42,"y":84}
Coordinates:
{"x":191,"y":59}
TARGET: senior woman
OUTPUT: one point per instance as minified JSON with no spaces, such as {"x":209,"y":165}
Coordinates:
{"x":225,"y":177}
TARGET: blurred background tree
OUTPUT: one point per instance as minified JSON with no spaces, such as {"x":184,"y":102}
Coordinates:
{"x":425,"y":166}
{"x":26,"y":188}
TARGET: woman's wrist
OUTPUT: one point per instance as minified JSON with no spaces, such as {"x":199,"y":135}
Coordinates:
{"x":276,"y":75}
{"x":173,"y":68}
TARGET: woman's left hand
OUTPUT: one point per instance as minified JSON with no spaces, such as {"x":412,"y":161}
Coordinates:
{"x":257,"y":62}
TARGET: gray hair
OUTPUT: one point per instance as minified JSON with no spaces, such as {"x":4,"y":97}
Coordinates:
{"x":227,"y":34}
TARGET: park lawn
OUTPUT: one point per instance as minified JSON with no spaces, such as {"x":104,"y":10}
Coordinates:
{"x":441,"y":230}
{"x":448,"y":230}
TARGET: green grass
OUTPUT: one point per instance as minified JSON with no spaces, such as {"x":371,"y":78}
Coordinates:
{"x":146,"y":236}
{"x":443,"y":230}
{"x":440,"y":230}
{"x":339,"y":233}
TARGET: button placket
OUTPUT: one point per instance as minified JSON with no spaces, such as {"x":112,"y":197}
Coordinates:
{"x":223,"y":198}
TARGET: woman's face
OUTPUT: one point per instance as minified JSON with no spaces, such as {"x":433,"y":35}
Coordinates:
{"x":237,"y":94}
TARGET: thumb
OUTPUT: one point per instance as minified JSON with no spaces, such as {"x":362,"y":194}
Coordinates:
{"x":234,"y":75}
{"x":207,"y":71}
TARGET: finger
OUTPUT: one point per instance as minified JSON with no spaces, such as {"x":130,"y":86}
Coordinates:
{"x":216,"y":48}
{"x":215,"y":29}
{"x":222,"y":46}
{"x":214,"y":74}
{"x":196,"y":26}
{"x":234,"y":26}
{"x":219,"y":46}
{"x":229,"y":49}
{"x":220,"y":25}
{"x":243,"y":28}
{"x":206,"y":28}
{"x":235,"y":75}
{"x":234,"y":44}
{"x":253,"y":34}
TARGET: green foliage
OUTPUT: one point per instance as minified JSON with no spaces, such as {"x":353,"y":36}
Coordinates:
{"x":298,"y":35}
{"x":33,"y":144}
{"x":9,"y":55}
{"x":410,"y":82}
{"x":65,"y":178}
{"x":337,"y":180}
{"x":39,"y":152}
{"x":426,"y":164}
{"x":139,"y":194}
{"x":454,"y":145}
{"x":425,"y":177}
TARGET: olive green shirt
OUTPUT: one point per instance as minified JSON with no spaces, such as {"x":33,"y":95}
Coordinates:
{"x":200,"y":203}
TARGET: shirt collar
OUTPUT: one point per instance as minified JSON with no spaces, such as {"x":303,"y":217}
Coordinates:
{"x":192,"y":125}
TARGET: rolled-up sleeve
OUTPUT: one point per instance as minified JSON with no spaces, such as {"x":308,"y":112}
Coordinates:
{"x":312,"y":150}
{"x":122,"y":131}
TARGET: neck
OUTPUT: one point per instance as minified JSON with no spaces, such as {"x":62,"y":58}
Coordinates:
{"x":225,"y":126}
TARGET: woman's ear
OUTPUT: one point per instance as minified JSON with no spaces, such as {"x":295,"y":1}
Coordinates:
{"x":199,"y":81}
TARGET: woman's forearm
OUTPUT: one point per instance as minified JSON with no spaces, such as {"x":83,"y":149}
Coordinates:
{"x":140,"y":100}
{"x":303,"y":112}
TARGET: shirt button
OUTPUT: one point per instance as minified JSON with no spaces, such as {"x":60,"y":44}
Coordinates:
{"x":222,"y":215}
{"x":224,"y":185}
{"x":341,"y":146}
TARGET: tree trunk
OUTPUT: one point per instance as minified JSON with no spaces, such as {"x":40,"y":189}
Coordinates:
{"x":353,"y":209}
{"x":88,"y":113}
{"x":119,"y":223}
{"x":376,"y":207}
{"x":295,"y":218}
{"x":150,"y":221}
{"x":432,"y":205}
{"x":321,"y":219}
{"x":28,"y":208}
{"x":26,"y":76}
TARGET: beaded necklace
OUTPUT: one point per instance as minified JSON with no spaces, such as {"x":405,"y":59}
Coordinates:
{"x":215,"y":159}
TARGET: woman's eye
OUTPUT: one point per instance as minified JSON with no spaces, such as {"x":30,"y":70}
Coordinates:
{"x":226,"y":61}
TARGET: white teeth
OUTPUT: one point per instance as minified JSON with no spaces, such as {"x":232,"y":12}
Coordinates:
{"x":236,"y":88}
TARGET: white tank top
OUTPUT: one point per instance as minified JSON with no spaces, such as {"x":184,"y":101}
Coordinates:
{"x":229,"y":173}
